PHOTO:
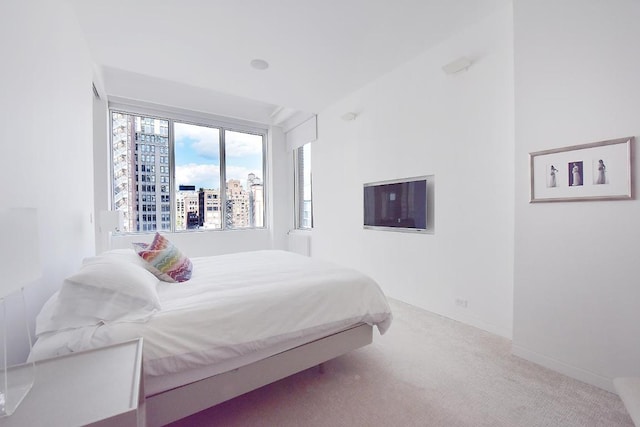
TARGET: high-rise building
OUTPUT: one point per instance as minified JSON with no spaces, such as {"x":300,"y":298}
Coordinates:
{"x":123,"y":162}
{"x":237,"y":207}
{"x":186,"y":209}
{"x":209,"y":208}
{"x":141,"y":172}
{"x":256,"y":201}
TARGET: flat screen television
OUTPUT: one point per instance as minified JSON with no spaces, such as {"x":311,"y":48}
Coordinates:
{"x":399,"y":205}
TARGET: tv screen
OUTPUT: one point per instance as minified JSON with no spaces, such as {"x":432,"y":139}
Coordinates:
{"x":397,"y":204}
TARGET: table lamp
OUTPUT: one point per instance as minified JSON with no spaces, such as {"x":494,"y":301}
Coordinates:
{"x":20,"y":266}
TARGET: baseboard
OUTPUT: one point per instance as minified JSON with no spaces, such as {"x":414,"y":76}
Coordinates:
{"x":564,"y":368}
{"x":466,"y":318}
{"x":476,"y":322}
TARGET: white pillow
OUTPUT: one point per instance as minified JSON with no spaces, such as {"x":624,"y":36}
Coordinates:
{"x":106,"y":289}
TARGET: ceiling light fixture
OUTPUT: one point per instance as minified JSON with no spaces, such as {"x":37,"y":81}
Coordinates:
{"x":259,"y":64}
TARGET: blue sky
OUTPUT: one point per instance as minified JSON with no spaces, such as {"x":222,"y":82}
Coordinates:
{"x":197,"y":156}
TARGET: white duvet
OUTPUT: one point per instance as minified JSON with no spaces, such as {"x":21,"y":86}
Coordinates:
{"x":233,"y":305}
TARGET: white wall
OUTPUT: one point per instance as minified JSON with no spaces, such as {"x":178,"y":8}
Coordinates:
{"x":577,"y":295}
{"x":46,"y":136}
{"x":281,"y":202}
{"x":418,"y":121}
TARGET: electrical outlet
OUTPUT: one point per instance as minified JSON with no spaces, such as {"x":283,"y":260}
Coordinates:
{"x":463,"y":303}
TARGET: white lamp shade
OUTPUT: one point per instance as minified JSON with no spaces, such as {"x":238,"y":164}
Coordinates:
{"x":19,"y":249}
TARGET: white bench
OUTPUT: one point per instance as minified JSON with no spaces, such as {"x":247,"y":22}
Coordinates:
{"x":628,"y":389}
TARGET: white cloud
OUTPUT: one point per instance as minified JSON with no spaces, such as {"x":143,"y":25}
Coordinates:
{"x":206,"y":176}
{"x":206,"y":148}
{"x":183,"y":130}
{"x":238,"y":144}
{"x":205,"y":139}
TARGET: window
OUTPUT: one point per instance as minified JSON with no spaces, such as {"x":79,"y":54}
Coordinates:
{"x":245,"y":190}
{"x":185,"y":178}
{"x":304,"y":207}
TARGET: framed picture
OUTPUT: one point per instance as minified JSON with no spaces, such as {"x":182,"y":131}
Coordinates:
{"x":595,"y":171}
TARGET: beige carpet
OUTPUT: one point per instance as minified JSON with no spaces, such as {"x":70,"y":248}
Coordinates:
{"x":426,"y":371}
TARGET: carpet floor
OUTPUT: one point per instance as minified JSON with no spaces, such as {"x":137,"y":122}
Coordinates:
{"x":426,"y":371}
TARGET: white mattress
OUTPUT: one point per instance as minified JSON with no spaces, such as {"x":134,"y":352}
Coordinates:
{"x":236,"y":309}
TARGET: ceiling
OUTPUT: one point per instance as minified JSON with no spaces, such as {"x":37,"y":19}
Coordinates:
{"x":195,"y":54}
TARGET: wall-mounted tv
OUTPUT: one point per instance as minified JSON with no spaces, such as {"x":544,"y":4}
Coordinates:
{"x":399,"y":205}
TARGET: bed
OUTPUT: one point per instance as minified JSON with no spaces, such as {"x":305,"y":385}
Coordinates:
{"x":241,"y":321}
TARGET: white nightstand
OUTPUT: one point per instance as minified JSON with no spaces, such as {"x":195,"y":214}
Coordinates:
{"x":101,"y":387}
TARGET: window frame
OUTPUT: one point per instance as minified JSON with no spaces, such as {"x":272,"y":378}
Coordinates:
{"x":297,"y":202}
{"x":172,"y":115}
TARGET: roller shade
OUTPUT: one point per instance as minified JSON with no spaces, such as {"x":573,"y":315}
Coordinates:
{"x":306,"y":131}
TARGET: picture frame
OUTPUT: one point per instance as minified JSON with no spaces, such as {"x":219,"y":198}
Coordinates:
{"x":595,"y":171}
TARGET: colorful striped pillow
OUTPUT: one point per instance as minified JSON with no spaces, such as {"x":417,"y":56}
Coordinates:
{"x":165,"y":260}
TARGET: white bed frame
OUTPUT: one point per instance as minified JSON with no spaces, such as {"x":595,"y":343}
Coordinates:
{"x":171,"y":405}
